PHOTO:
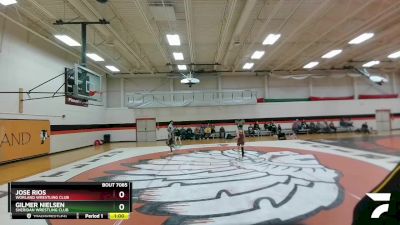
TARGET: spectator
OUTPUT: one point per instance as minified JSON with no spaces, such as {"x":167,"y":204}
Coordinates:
{"x":265,"y":126}
{"x":250,"y":130}
{"x":273,"y":128}
{"x":303,"y":125}
{"x":202,"y":134}
{"x":332,"y":126}
{"x":221,"y":132}
{"x":189,"y":133}
{"x":197,"y":133}
{"x":326,"y":128}
{"x":319,"y":127}
{"x":257,"y":128}
{"x":344,"y":123}
{"x":313,"y":128}
{"x":364,"y":128}
{"x":183,"y":133}
{"x":296,"y":126}
{"x":279,"y":129}
{"x":212,"y":129}
{"x":207,"y":132}
{"x":177,"y":134}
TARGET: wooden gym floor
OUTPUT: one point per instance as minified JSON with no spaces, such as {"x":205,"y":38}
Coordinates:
{"x":25,"y":168}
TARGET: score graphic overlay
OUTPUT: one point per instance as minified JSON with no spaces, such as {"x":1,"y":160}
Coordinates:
{"x":72,"y":200}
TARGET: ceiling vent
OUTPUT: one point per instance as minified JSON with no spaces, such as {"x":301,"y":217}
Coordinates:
{"x":163,"y":13}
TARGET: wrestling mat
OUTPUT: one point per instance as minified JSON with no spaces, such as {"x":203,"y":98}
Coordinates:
{"x":278,"y":182}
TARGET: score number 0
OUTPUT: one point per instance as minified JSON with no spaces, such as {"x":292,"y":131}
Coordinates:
{"x":121,"y":206}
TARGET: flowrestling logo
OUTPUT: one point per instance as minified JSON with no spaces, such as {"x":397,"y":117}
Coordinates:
{"x":214,"y":188}
{"x":384,"y":208}
{"x":387,"y":212}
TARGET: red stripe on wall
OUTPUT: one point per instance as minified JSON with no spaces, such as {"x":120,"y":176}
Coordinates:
{"x":90,"y":130}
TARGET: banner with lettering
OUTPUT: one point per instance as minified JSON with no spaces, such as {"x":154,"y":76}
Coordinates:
{"x":23,"y":139}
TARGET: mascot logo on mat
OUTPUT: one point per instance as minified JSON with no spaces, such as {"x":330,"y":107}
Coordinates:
{"x":215,"y":188}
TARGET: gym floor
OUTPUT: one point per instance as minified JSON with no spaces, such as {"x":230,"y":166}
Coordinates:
{"x":317,"y":178}
{"x":21,"y":169}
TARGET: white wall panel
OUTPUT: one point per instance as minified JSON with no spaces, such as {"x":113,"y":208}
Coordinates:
{"x":287,"y":88}
{"x":333,"y":87}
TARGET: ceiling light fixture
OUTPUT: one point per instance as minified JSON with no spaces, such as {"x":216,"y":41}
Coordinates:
{"x":332,"y":53}
{"x":271,"y":39}
{"x":394,"y":55}
{"x":363,"y":37}
{"x":67,"y":40}
{"x":248,"y":66}
{"x":371,"y":63}
{"x":173,"y":39}
{"x":95,"y":57}
{"x":257,"y":54}
{"x":112,"y":68}
{"x":178,"y":55}
{"x":7,"y":2}
{"x":182,"y":67}
{"x":310,"y":65}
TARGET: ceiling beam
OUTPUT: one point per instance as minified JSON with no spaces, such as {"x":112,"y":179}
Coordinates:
{"x":345,"y":38}
{"x":243,"y":19}
{"x":188,"y":16}
{"x":260,"y":34}
{"x":76,"y":55}
{"x":222,"y":40}
{"x":142,"y":9}
{"x":87,"y":11}
{"x":376,"y":51}
{"x":48,"y":26}
{"x":291,"y":35}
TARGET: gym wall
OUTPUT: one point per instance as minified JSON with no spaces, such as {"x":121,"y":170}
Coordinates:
{"x":26,"y":61}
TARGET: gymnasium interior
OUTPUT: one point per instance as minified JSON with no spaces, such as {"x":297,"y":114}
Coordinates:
{"x":159,"y":95}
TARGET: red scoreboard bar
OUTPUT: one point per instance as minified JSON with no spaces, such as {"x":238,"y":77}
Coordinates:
{"x":71,"y":200}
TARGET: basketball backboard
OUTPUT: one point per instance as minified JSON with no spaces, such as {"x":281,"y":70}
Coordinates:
{"x":83,"y":83}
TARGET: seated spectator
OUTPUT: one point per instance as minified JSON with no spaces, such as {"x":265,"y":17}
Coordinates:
{"x":207,"y":132}
{"x":313,"y":128}
{"x":189,"y":133}
{"x":265,"y":126}
{"x":326,"y":128}
{"x":197,"y":133}
{"x":279,"y":129}
{"x":319,"y":127}
{"x":273,"y":128}
{"x":202,"y":133}
{"x":296,"y":126}
{"x":303,"y":125}
{"x":250,"y":130}
{"x":332,"y":126}
{"x":257,"y":128}
{"x":212,"y":129}
{"x":221,"y":132}
{"x":183,"y":133}
{"x":345,"y":123}
{"x":364,"y":128}
{"x":178,"y":137}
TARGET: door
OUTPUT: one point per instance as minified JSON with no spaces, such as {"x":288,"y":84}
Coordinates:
{"x":383,"y":120}
{"x":146,"y":129}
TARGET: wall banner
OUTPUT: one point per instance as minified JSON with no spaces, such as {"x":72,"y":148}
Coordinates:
{"x":23,"y":139}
